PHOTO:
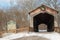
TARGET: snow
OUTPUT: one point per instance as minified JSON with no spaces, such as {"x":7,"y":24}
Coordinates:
{"x":3,"y":39}
{"x":42,"y":30}
{"x":51,"y":36}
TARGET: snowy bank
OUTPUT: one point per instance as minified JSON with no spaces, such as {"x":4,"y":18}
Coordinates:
{"x":51,"y":36}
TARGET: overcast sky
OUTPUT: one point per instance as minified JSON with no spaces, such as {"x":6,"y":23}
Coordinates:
{"x":6,"y":3}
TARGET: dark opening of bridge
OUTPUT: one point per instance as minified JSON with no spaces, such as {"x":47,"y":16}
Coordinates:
{"x":44,"y":18}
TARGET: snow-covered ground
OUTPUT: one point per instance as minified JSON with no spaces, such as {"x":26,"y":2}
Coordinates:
{"x":51,"y":36}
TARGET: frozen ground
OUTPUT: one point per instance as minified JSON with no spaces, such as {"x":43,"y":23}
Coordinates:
{"x":50,"y":36}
